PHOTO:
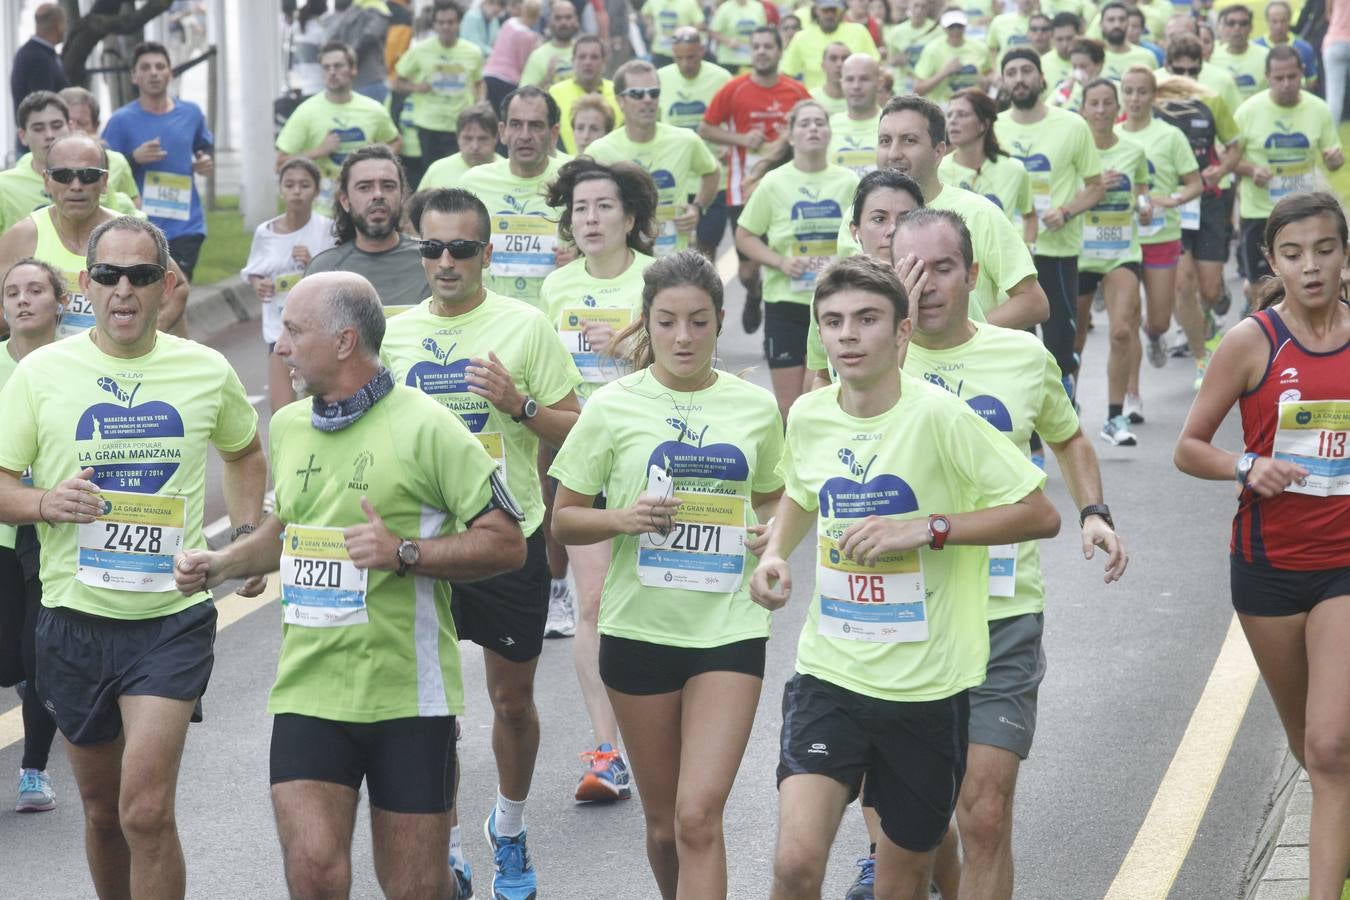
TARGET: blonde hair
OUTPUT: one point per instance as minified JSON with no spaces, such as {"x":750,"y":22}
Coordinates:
{"x":1144,"y":71}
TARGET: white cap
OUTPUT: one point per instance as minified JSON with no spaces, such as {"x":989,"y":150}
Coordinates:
{"x":954,"y":17}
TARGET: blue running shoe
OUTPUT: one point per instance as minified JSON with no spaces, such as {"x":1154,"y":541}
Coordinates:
{"x":463,"y":880}
{"x":35,"y":792}
{"x":861,"y":888}
{"x":514,"y":877}
{"x":607,"y":779}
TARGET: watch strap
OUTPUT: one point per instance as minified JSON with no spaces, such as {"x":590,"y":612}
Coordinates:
{"x":1096,"y":509}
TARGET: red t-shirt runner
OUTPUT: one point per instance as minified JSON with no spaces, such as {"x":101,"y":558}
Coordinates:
{"x":742,"y":106}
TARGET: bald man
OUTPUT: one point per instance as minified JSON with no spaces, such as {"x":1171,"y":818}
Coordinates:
{"x":853,"y":132}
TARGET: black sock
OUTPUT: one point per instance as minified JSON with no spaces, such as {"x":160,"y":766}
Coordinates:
{"x":871,"y":849}
{"x":1114,"y":409}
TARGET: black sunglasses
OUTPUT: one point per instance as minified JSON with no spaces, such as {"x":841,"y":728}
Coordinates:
{"x":1041,"y":28}
{"x":139,"y":275}
{"x":1189,"y":72}
{"x":86,"y":175}
{"x":641,"y":93}
{"x":459,"y":249}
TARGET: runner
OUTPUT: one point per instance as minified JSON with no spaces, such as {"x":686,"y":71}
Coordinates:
{"x":681,"y":165}
{"x":906,"y":42}
{"x":954,"y":64}
{"x":366,"y":224}
{"x":589,"y":57}
{"x":169,"y":143}
{"x":826,"y":26}
{"x":1087,"y":58}
{"x":1120,"y":53}
{"x":884,"y":197}
{"x":1173,"y":182}
{"x":683,"y":664}
{"x":664,"y":20}
{"x":1066,"y":180}
{"x":796,"y":247}
{"x":118,"y":487}
{"x":1013,"y":28}
{"x":1279,"y":17}
{"x":329,"y":126}
{"x":123,"y":195}
{"x":749,"y":111}
{"x":1284,"y":368}
{"x":476,"y":133}
{"x":731,"y":26}
{"x":853,"y":133}
{"x":977,"y":162}
{"x":592,"y":119}
{"x":830,"y":93}
{"x":76,"y":179}
{"x":862,"y":676}
{"x":1065,"y":29}
{"x":524,"y":240}
{"x":610,"y":212}
{"x":373,"y":482}
{"x":1245,"y":61}
{"x":552,"y":61}
{"x":34,"y":294}
{"x":496,"y":364}
{"x":282,"y":248}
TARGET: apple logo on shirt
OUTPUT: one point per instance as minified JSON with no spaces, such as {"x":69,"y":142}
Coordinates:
{"x":688,"y":456}
{"x":439,"y":378}
{"x":990,"y":408}
{"x":127,"y":444}
{"x":858,"y":496}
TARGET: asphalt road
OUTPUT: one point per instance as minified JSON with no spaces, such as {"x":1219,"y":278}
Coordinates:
{"x":1127,"y":665}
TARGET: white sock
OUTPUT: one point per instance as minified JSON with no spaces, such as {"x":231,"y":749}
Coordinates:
{"x":510,"y":816}
{"x":456,"y":851}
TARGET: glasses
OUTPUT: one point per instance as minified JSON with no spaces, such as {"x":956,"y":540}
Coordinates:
{"x":1188,"y":71}
{"x":1239,"y":23}
{"x":459,"y":249}
{"x":641,"y":93}
{"x":687,"y":39}
{"x":86,"y":175}
{"x":1040,"y":28}
{"x":139,"y":275}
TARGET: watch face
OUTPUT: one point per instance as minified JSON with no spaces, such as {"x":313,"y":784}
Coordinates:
{"x":409,"y":553}
{"x":941,"y":525}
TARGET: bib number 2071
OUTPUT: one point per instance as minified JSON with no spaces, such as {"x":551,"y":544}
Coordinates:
{"x":696,"y":537}
{"x":132,"y":538}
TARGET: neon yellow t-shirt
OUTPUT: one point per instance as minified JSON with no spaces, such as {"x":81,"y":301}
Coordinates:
{"x":1247,"y":68}
{"x":143,"y":425}
{"x":833,"y":106}
{"x":1289,"y":140}
{"x":721,"y":445}
{"x":799,"y":215}
{"x":454,"y":73}
{"x":1055,"y":69}
{"x":975,"y":62}
{"x":930,"y":453}
{"x":1059,"y":155}
{"x":905,"y":43}
{"x":1134,"y":55}
{"x":1110,"y":230}
{"x":1004,"y":182}
{"x":358,"y":122}
{"x":1013,"y":382}
{"x":853,"y":142}
{"x":536,"y":65}
{"x":1008,"y":30}
{"x":802,"y":58}
{"x":668,"y":15}
{"x":8,"y":533}
{"x":431,"y":353}
{"x":736,"y":19}
{"x":524,"y":227}
{"x":426,"y":477}
{"x":1169,"y":160}
{"x":447,"y":171}
{"x":572,"y":297}
{"x":685,"y":100}
{"x":566,"y":94}
{"x":676,"y":158}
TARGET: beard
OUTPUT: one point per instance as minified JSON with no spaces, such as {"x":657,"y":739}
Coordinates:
{"x":1114,"y":37}
{"x":1024,"y":97}
{"x":378,"y":232}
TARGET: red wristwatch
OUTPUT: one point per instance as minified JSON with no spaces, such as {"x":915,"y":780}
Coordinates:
{"x":939,"y":527}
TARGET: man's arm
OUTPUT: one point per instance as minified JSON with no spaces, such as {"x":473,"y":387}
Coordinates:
{"x":17,"y":242}
{"x":491,"y":545}
{"x":1026,"y":305}
{"x":243,"y":482}
{"x":1083,"y":477}
{"x":174,"y":304}
{"x":1088,"y":196}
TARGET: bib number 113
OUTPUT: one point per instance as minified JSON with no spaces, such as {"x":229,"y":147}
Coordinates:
{"x":1331,"y":444}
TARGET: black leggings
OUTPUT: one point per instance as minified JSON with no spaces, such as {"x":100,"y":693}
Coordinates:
{"x":20,"y":599}
{"x":1058,"y":276}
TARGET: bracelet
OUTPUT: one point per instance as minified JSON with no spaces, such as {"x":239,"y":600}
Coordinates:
{"x":1064,"y":211}
{"x":41,"y":514}
{"x":242,"y":530}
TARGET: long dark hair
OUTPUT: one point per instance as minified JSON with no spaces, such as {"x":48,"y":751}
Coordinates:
{"x":637,"y":194}
{"x":1295,"y":208}
{"x":687,"y":267}
{"x":987,"y":112}
{"x":344,"y":229}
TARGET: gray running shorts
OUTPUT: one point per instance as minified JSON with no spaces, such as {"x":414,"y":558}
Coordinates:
{"x":1003,"y":709}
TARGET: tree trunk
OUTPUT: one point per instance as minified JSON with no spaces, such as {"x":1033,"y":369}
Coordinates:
{"x":105,"y":17}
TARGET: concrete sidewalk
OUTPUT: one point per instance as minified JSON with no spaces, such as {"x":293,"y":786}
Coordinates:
{"x":1279,"y":866}
{"x":211,"y":308}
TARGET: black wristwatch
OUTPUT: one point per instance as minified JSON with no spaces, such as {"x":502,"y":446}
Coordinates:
{"x":528,"y":410}
{"x":409,"y":555}
{"x":1096,"y":509}
{"x":242,"y":530}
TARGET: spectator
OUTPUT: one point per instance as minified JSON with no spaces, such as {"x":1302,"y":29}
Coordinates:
{"x":36,"y":65}
{"x":482,"y":23}
{"x":516,"y":41}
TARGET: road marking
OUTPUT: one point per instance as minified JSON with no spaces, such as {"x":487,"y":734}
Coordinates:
{"x":1164,"y":840}
{"x":727,"y":265}
{"x":255,"y":399}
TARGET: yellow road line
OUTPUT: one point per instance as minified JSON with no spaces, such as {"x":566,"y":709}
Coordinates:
{"x":1165,"y":838}
{"x":229,"y":610}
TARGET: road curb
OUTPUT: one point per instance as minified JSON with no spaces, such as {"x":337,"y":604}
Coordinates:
{"x":1278,"y":866}
{"x":212,"y":308}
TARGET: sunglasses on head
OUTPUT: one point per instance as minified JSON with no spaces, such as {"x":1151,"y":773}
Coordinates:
{"x":86,"y":175}
{"x":139,"y":275}
{"x":459,"y":249}
{"x":687,"y":39}
{"x":651,"y":93}
{"x":1188,"y":71}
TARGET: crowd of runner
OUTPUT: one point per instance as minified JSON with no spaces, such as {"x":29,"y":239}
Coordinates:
{"x":492,"y":305}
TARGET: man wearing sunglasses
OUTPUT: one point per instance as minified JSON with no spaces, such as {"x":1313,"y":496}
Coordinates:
{"x":497,"y":364}
{"x":115,"y":426}
{"x":1245,"y":61}
{"x":59,"y":234}
{"x":681,"y":165}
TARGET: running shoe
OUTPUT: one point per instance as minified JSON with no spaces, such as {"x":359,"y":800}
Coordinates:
{"x":562,"y":620}
{"x":1157,"y":353}
{"x":607,"y":779}
{"x":1099,"y":300}
{"x":463,"y":880}
{"x":513,"y":876}
{"x":1200,"y":366}
{"x":1179,"y":347}
{"x":1212,"y":326}
{"x":753,"y":312}
{"x":35,"y":791}
{"x":1224,"y":303}
{"x":1134,"y":409}
{"x":862,"y":886}
{"x":1116,"y":431}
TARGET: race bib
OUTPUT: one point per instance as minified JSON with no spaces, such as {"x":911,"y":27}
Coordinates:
{"x":523,"y":246}
{"x":1040,"y":196}
{"x":1107,"y":235}
{"x":859,"y":160}
{"x":1155,"y":225}
{"x":818,"y":255}
{"x":667,"y":237}
{"x":167,"y":196}
{"x":704,"y":551}
{"x":132,"y":545}
{"x":883,"y":604}
{"x":1003,"y":570}
{"x":448,"y":79}
{"x":77,"y":317}
{"x":320,"y":585}
{"x":495,"y":446}
{"x":1190,"y":215}
{"x":283,"y":284}
{"x":595,"y":367}
{"x":1315,"y":434}
{"x":1291,"y":178}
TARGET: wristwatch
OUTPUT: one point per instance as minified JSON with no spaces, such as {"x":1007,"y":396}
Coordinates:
{"x":528,"y":410}
{"x":1096,"y":509}
{"x":1244,"y":467}
{"x":242,"y":530}
{"x":409,"y":555}
{"x":939,"y":527}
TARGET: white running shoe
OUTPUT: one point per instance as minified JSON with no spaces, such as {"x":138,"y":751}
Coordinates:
{"x":562,"y":619}
{"x":1116,"y":431}
{"x":1134,"y":409}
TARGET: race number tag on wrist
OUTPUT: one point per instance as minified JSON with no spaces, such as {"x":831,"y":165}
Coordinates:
{"x":1315,"y":434}
{"x":595,"y":368}
{"x":132,"y":545}
{"x":167,"y":196}
{"x":1003,"y":570}
{"x":885,"y":603}
{"x":704,"y":551}
{"x":320,"y":585}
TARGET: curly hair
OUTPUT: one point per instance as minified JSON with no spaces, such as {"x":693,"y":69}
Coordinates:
{"x":637,"y":194}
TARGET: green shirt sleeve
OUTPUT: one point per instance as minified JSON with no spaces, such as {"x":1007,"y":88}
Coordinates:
{"x":1056,"y":420}
{"x":18,"y":439}
{"x":767,"y":456}
{"x":237,"y":420}
{"x":585,"y":459}
{"x":553,"y":375}
{"x":787,"y":470}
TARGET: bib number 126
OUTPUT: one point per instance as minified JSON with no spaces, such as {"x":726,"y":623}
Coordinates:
{"x":867,"y":588}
